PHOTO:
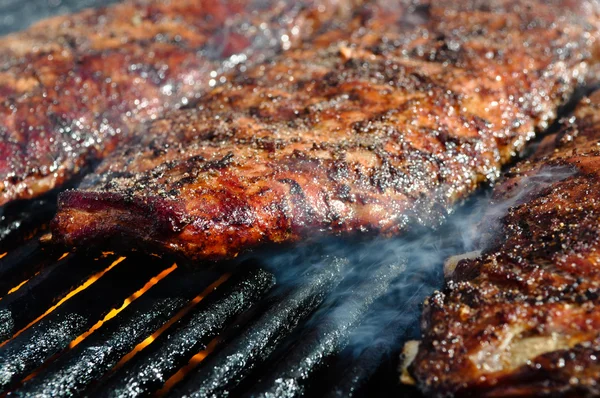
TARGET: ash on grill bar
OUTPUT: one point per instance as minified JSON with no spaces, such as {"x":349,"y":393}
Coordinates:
{"x":259,"y":198}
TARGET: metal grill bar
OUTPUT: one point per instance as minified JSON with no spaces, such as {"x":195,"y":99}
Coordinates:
{"x":43,"y":290}
{"x":20,"y":264}
{"x":310,"y":355}
{"x":148,"y":371}
{"x":77,"y":369}
{"x":224,"y":370}
{"x":354,"y":372}
{"x":53,"y":333}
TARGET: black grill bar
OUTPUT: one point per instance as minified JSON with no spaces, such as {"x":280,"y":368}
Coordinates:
{"x":73,"y":372}
{"x":148,"y":370}
{"x":357,"y":373}
{"x":53,"y":333}
{"x":312,"y":353}
{"x":21,"y":220}
{"x":222,"y":371}
{"x":45,"y":289}
{"x":354,"y":374}
{"x":21,"y":263}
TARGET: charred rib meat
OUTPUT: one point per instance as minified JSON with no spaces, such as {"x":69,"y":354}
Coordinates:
{"x":523,"y":318}
{"x":72,"y":87}
{"x":369,"y":131}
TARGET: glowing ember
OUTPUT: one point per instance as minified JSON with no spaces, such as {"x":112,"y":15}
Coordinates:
{"x":14,"y":289}
{"x":194,"y":361}
{"x":20,"y":285}
{"x":115,"y":311}
{"x":82,"y":287}
{"x":150,"y":339}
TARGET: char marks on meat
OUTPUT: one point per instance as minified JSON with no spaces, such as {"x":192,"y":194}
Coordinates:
{"x":523,"y":319}
{"x":372,"y":128}
{"x":73,"y":87}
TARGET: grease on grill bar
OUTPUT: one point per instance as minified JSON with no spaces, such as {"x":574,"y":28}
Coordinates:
{"x":151,"y":368}
{"x":22,"y":220}
{"x":356,"y":372}
{"x":312,"y":352}
{"x":73,"y":372}
{"x":227,"y":368}
{"x":30,"y":348}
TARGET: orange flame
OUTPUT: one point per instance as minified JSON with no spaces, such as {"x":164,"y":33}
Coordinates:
{"x":3,"y":254}
{"x":115,"y":311}
{"x":20,"y":285}
{"x":14,"y":289}
{"x":72,"y":293}
{"x":193,"y":363}
{"x":150,"y":339}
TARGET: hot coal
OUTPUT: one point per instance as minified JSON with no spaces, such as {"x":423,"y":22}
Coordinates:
{"x":46,"y":288}
{"x":312,"y":353}
{"x":53,"y":333}
{"x":225,"y":369}
{"x":149,"y":369}
{"x":73,"y":372}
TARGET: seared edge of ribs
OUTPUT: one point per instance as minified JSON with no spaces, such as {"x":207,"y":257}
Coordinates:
{"x":372,"y":128}
{"x":523,"y":318}
{"x":74,"y":86}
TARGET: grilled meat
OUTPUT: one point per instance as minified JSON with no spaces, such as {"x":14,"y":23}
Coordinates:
{"x":372,"y":130}
{"x":73,"y":87}
{"x":523,"y":319}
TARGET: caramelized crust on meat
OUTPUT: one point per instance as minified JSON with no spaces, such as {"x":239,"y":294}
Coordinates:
{"x":523,"y":319}
{"x":72,"y":87}
{"x":372,"y":130}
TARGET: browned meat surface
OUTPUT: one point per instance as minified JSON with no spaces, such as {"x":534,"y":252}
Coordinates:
{"x":523,"y":319}
{"x":369,"y":131}
{"x":72,"y":87}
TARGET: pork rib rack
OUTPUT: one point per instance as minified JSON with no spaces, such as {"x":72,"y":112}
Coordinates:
{"x":373,"y":128}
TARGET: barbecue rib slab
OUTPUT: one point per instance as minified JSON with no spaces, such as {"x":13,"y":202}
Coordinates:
{"x":523,"y":318}
{"x":73,"y":87}
{"x":372,"y":130}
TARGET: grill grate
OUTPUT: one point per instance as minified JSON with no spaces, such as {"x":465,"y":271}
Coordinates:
{"x":114,"y":326}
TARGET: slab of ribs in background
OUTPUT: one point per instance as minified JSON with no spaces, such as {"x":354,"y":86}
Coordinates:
{"x":73,"y":87}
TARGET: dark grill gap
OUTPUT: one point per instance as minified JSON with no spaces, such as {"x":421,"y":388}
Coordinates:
{"x":20,"y":264}
{"x":291,"y":376}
